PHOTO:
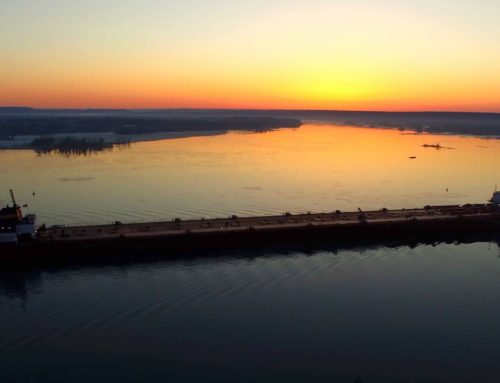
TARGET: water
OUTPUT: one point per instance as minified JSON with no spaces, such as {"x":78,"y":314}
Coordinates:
{"x":423,"y":314}
{"x":317,"y":167}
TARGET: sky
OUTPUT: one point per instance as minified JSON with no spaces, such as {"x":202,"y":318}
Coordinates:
{"x":271,"y":54}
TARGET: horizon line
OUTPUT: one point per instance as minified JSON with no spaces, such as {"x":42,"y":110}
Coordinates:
{"x":243,"y":109}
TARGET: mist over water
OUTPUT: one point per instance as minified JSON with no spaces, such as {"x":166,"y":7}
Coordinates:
{"x":318,"y":167}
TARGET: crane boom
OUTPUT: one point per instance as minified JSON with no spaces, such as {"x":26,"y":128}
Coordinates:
{"x":13,"y":198}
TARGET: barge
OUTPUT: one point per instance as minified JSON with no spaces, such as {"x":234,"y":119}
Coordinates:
{"x":171,"y":238}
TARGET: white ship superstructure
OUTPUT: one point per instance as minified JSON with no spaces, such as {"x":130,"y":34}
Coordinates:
{"x":14,"y":226}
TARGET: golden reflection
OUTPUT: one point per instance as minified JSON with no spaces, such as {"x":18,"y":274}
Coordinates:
{"x":312,"y":168}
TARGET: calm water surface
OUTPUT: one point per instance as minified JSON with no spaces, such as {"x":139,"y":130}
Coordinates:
{"x":313,"y":168}
{"x":423,"y":314}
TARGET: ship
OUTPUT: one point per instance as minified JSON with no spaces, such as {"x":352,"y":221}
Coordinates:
{"x":16,"y":227}
{"x":495,"y":199}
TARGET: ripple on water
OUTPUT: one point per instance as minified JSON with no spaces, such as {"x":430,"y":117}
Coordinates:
{"x":72,"y":306}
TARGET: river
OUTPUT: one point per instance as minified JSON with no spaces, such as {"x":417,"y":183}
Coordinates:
{"x":317,"y":167}
{"x":425,"y":313}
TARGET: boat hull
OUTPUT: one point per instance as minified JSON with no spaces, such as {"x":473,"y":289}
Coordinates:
{"x":8,"y":238}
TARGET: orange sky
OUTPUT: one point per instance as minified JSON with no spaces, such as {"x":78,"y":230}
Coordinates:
{"x":359,"y":54}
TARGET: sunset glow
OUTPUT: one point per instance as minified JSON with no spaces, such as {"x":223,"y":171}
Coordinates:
{"x":358,"y":55}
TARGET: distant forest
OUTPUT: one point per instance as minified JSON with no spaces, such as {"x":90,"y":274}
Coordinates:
{"x":26,"y":121}
{"x":19,"y":125}
{"x":68,"y":145}
{"x":477,"y":124}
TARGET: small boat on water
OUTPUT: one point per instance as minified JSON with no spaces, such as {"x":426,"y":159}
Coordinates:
{"x":14,"y":225}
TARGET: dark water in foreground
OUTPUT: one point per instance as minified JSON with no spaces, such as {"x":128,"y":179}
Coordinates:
{"x":423,"y":314}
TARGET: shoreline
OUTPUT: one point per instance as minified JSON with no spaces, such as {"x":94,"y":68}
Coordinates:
{"x":22,"y":131}
{"x":23,"y":142}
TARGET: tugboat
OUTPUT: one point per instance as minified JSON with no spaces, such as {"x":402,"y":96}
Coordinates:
{"x":14,"y":226}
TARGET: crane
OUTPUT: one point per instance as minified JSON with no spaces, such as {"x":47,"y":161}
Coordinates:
{"x":13,"y":198}
{"x":362,"y":216}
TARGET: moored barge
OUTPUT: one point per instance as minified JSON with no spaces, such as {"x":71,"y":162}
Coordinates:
{"x":180,"y":236}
